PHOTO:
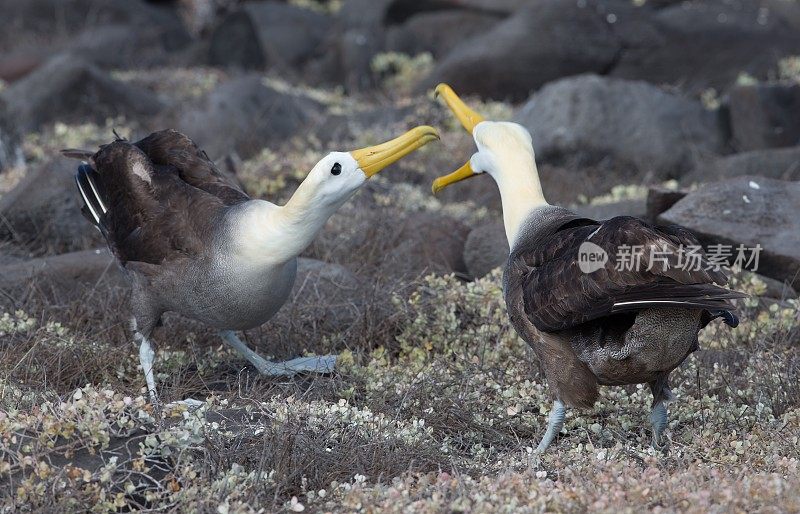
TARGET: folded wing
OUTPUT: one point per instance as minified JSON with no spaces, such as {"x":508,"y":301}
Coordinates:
{"x":647,"y":267}
{"x":156,"y":200}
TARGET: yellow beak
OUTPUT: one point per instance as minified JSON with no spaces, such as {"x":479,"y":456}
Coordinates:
{"x":373,"y":159}
{"x":462,"y":173}
{"x":469,"y":120}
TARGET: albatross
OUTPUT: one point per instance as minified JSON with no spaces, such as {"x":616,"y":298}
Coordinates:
{"x":592,"y":316}
{"x":191,"y":241}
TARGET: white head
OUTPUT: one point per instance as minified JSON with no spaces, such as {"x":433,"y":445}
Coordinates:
{"x":333,"y":180}
{"x":339,"y":174}
{"x":288,"y":230}
{"x":503,"y":147}
{"x":505,"y":152}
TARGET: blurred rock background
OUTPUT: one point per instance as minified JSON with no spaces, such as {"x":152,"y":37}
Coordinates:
{"x":678,"y":111}
{"x":619,"y":96}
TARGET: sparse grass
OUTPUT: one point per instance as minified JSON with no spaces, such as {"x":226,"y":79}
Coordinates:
{"x":789,"y":68}
{"x":323,"y":6}
{"x":10,"y":178}
{"x":436,"y":409}
{"x":178,"y":84}
{"x":47,"y":144}
{"x":401,"y":72}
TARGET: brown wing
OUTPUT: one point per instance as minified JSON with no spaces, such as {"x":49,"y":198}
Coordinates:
{"x":151,"y":214}
{"x":171,"y":148}
{"x":558,"y":295}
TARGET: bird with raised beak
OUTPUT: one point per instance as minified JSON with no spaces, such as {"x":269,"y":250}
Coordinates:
{"x":591,"y":318}
{"x":192,"y":241}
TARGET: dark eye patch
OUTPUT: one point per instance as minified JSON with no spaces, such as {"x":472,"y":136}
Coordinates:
{"x":337,"y":168}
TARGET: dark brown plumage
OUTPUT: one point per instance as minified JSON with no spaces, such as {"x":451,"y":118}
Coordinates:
{"x":591,"y":322}
{"x":172,"y":216}
{"x":569,"y":317}
{"x":559,"y":296}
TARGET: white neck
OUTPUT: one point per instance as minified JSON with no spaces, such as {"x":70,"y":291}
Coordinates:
{"x":302,"y":218}
{"x":520,"y":191}
{"x":270,"y":234}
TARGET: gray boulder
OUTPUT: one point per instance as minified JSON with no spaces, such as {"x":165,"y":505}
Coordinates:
{"x":496,"y":6}
{"x":121,"y":46}
{"x":604,"y":211}
{"x":634,"y":122}
{"x":71,"y":90}
{"x":113,"y":46}
{"x":15,"y":66}
{"x":360,"y":36}
{"x":65,"y":272}
{"x":438,"y":32}
{"x":244,"y":115}
{"x":10,"y":150}
{"x":765,"y":115}
{"x":486,"y":248}
{"x":779,"y":163}
{"x":43,"y":211}
{"x":538,"y":44}
{"x":364,"y":28}
{"x":267,"y":35}
{"x":706,"y":44}
{"x":787,"y":12}
{"x":660,"y":199}
{"x":747,"y":210}
{"x":44,"y":27}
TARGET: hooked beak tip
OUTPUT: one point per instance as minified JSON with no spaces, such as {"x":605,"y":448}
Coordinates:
{"x":440,"y":89}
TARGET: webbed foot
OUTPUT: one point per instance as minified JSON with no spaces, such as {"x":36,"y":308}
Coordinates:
{"x":324,"y":364}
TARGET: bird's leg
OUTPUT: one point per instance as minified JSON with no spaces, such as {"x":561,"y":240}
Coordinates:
{"x":658,"y":414}
{"x":142,"y":326}
{"x":658,"y":418}
{"x":147,"y":357}
{"x":554,"y":425}
{"x":316,"y":364}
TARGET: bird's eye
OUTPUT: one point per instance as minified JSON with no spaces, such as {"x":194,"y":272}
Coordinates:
{"x":337,"y":168}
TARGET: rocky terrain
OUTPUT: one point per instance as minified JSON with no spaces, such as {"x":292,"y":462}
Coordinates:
{"x":681,"y":112}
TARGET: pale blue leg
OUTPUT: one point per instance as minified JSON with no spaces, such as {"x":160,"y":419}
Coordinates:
{"x":554,"y":425}
{"x":658,"y":418}
{"x":314,"y":364}
{"x":147,"y":357}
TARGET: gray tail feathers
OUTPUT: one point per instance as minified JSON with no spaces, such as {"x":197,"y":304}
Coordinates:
{"x":74,"y":153}
{"x":94,"y":208}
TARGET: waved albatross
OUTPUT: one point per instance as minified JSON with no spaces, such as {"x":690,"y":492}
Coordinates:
{"x":588,"y":322}
{"x":191,"y":241}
